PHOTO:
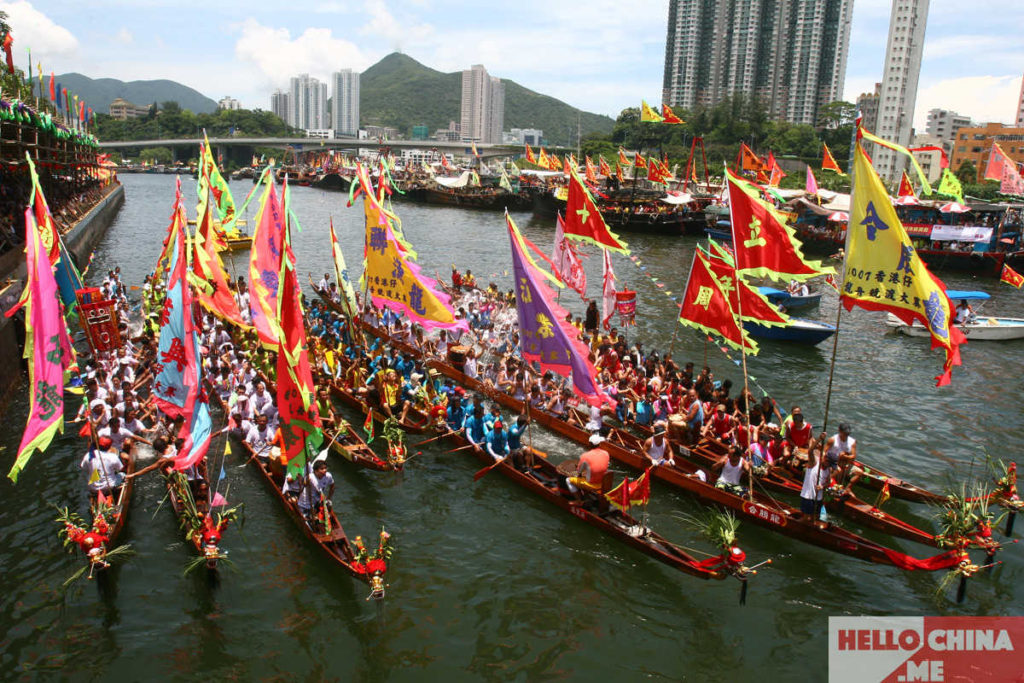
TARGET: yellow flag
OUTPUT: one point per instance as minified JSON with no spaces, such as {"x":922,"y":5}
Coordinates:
{"x":648,"y":114}
{"x":95,"y":476}
{"x":884,"y":272}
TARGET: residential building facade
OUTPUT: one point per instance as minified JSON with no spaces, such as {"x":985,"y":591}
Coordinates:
{"x":307,"y":103}
{"x":944,"y":124}
{"x":930,"y":161}
{"x":122,"y":110}
{"x":1020,"y":105}
{"x":974,"y":144}
{"x":279,"y":105}
{"x":867,"y":105}
{"x":345,"y":103}
{"x":483,"y":106}
{"x":900,"y":75}
{"x":789,"y":53}
{"x":228,"y":103}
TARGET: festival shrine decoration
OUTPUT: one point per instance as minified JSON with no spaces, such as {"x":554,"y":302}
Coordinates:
{"x":545,"y":336}
{"x":884,"y":271}
{"x":374,"y":563}
{"x":98,"y":317}
{"x":706,"y":308}
{"x":625,"y":304}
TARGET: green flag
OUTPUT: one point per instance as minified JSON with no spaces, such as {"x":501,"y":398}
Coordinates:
{"x":949,"y":185}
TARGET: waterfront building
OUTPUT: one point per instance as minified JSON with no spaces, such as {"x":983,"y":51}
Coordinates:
{"x":867,"y":105}
{"x":307,"y":103}
{"x":944,"y":124}
{"x":523,"y":136}
{"x":279,"y":104}
{"x":228,"y":103}
{"x":931,"y":162}
{"x":345,"y":103}
{"x":974,"y":143}
{"x":792,"y":55}
{"x":122,"y":110}
{"x":483,"y":106}
{"x":450,"y":134}
{"x":900,"y":76}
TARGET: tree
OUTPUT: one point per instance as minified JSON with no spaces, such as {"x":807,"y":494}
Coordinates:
{"x":157,"y":155}
{"x":967,"y":174}
{"x":836,"y":114}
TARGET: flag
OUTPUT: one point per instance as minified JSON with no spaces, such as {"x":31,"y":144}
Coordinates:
{"x":949,"y":185}
{"x":638,"y":161}
{"x":545,"y":336}
{"x":745,"y":300}
{"x":583,"y":220}
{"x":211,"y":180}
{"x":47,"y":349}
{"x":504,"y":182}
{"x":748,"y":160}
{"x":1011,"y":277}
{"x":475,"y":153}
{"x":883,"y":495}
{"x":567,"y":263}
{"x":830,"y":280}
{"x":706,"y":308}
{"x":391,"y":278}
{"x":529,"y":155}
{"x":8,"y":42}
{"x":655,"y":172}
{"x":765,"y":245}
{"x":828,"y":162}
{"x":53,"y":91}
{"x":543,"y":159}
{"x":348,"y":294}
{"x":368,"y":427}
{"x":640,"y":490}
{"x":607,"y":291}
{"x":296,"y":402}
{"x":265,"y":264}
{"x":218,"y":500}
{"x":618,"y":172}
{"x":1002,"y":168}
{"x":906,"y":188}
{"x":591,"y":171}
{"x":622,"y":157}
{"x":603,"y":167}
{"x":554,"y":164}
{"x":884,"y":271}
{"x":619,"y":496}
{"x":926,"y":187}
{"x":210,"y":279}
{"x":648,"y":114}
{"x":566,"y":168}
{"x":669,"y":116}
{"x":171,"y":381}
{"x":811,"y":185}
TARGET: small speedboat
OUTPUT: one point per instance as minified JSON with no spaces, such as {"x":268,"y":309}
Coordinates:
{"x":781,"y":297}
{"x":721,"y":232}
{"x":981,"y":327}
{"x":800,"y":331}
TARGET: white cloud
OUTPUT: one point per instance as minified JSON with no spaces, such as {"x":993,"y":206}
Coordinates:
{"x":31,"y":28}
{"x":125,"y":37}
{"x":983,"y":98}
{"x":277,"y":56}
{"x":383,"y":25}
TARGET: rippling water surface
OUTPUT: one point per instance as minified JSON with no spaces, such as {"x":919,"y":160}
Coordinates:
{"x":489,"y":583}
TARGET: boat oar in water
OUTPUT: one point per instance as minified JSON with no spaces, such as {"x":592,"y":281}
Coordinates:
{"x":439,"y":436}
{"x":479,"y":475}
{"x":322,"y":455}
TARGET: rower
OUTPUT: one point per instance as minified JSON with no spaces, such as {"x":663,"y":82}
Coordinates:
{"x":720,"y":426}
{"x":797,"y":433}
{"x":325,"y":407}
{"x":760,"y":454}
{"x":732,"y":466}
{"x":259,"y":438}
{"x":497,"y":442}
{"x":476,"y":428}
{"x":104,"y":466}
{"x":657,"y":448}
{"x":317,"y":491}
{"x":590,"y":470}
{"x":693,"y":410}
{"x":841,"y":458}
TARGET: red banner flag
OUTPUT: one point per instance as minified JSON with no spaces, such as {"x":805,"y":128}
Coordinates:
{"x":638,"y":161}
{"x":622,"y":157}
{"x":603,"y":167}
{"x":583,"y":220}
{"x":828,"y":162}
{"x":217,"y":296}
{"x":566,"y":262}
{"x":751,"y":302}
{"x":906,"y":188}
{"x":765,"y":246}
{"x":591,"y":171}
{"x":1011,"y":277}
{"x":565,"y":165}
{"x":53,"y":90}
{"x":529,"y":155}
{"x":265,"y":265}
{"x":607,"y":291}
{"x":706,"y":308}
{"x":669,"y":116}
{"x":8,"y":42}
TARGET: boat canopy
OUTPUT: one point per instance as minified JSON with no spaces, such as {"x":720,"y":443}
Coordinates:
{"x":677,"y":198}
{"x":461,"y":181}
{"x":958,"y":294}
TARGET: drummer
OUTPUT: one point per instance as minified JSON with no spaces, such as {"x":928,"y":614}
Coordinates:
{"x":590,"y":470}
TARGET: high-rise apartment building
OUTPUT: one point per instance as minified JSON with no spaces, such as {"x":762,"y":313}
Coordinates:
{"x":899,"y":83}
{"x":345,"y":102}
{"x":789,"y":53}
{"x":483,"y":106}
{"x":307,"y":103}
{"x":279,"y":105}
{"x":943,"y":124}
{"x":867,"y":106}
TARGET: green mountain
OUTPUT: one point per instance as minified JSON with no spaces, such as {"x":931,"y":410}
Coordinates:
{"x":400,"y":92}
{"x":98,"y":93}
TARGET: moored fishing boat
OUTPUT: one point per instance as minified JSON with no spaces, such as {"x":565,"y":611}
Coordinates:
{"x":799,"y":331}
{"x":792,"y":302}
{"x":976,"y":327}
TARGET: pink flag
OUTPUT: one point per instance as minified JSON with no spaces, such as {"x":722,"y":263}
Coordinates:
{"x":265,"y":266}
{"x":608,"y":294}
{"x":46,"y":346}
{"x":567,"y":262}
{"x":218,"y":500}
{"x":812,"y":182}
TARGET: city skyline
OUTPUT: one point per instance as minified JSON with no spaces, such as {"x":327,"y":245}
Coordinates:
{"x":261,"y":51}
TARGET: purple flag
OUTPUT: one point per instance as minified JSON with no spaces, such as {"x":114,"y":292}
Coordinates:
{"x":544,"y":336}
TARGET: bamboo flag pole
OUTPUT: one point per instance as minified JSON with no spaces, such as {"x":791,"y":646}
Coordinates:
{"x":738,"y":316}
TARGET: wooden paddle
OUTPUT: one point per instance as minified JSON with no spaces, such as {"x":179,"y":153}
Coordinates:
{"x":479,"y":475}
{"x":439,"y":436}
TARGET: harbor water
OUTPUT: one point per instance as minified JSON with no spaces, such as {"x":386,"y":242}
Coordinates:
{"x":487,"y":582}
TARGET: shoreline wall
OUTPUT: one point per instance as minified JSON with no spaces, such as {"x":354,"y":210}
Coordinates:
{"x":80,"y":241}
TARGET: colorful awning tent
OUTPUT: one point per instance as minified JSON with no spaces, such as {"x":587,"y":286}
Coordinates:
{"x":839,"y":217}
{"x":954,"y":207}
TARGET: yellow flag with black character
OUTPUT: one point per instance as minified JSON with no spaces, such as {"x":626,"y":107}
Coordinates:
{"x":884,"y":271}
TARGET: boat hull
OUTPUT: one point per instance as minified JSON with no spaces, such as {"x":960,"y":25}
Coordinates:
{"x":986,"y":329}
{"x":801,"y":331}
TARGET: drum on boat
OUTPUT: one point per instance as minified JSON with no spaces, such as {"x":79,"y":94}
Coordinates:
{"x":457,"y":357}
{"x":677,"y":428}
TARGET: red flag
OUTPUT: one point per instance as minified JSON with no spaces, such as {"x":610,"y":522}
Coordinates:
{"x":751,"y":302}
{"x":1011,"y":277}
{"x":996,"y":160}
{"x":565,"y":165}
{"x":529,"y":155}
{"x":669,"y":116}
{"x":619,"y":496}
{"x":706,"y":308}
{"x":827,"y":162}
{"x":591,"y":171}
{"x":583,"y":220}
{"x":607,"y":292}
{"x":638,"y":161}
{"x":603,"y":167}
{"x":654,"y":171}
{"x":618,"y":172}
{"x":762,"y":178}
{"x":765,"y":246}
{"x":748,"y":160}
{"x":622,"y":157}
{"x":640,"y":490}
{"x":566,"y":262}
{"x":53,"y":91}
{"x":207,"y":266}
{"x":906,"y":189}
{"x":8,"y":41}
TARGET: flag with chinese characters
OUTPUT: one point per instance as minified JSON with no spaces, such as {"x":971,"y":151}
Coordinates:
{"x":1002,"y":168}
{"x":706,"y":308}
{"x":607,"y":291}
{"x":583,"y":220}
{"x":47,"y":348}
{"x":949,"y":185}
{"x":567,"y":262}
{"x":392,"y":279}
{"x":1011,"y":277}
{"x":884,"y":272}
{"x":765,"y":246}
{"x":745,"y":300}
{"x":648,"y":114}
{"x":211,"y":280}
{"x":828,"y":162}
{"x":265,"y":265}
{"x":300,"y":418}
{"x":545,"y":336}
{"x":348,"y":294}
{"x":170,"y":386}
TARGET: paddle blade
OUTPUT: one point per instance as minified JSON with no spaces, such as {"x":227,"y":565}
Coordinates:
{"x":479,"y":475}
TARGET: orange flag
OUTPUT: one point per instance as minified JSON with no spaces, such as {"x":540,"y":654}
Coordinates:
{"x":529,"y":155}
{"x":654,"y":173}
{"x":1011,"y":277}
{"x":906,"y":189}
{"x":748,"y":160}
{"x":543,"y":159}
{"x":827,"y":162}
{"x":618,"y":172}
{"x":591,"y":171}
{"x":603,"y":167}
{"x":565,"y":165}
{"x":622,"y":157}
{"x":668,"y":116}
{"x":639,"y":162}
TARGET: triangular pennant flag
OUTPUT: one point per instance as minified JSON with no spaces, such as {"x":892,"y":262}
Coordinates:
{"x":828,"y":162}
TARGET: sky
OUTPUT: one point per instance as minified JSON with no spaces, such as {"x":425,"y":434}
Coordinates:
{"x":603,"y":58}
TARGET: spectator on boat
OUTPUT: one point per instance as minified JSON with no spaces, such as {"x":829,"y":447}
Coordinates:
{"x":497,"y":442}
{"x":324,"y":283}
{"x":964,"y":314}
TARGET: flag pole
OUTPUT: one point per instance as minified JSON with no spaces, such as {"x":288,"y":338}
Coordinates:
{"x":738,"y":316}
{"x":675,"y":329}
